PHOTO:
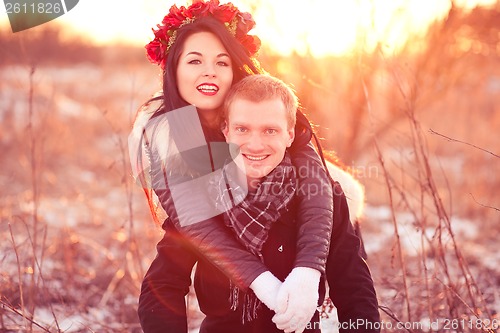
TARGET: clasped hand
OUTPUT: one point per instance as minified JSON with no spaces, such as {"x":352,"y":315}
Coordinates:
{"x":294,"y":301}
{"x":297,"y":300}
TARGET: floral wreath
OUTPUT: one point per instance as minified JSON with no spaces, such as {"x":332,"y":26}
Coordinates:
{"x":238,"y":23}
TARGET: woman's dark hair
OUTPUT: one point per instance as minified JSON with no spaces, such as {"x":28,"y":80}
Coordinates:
{"x":242,"y":63}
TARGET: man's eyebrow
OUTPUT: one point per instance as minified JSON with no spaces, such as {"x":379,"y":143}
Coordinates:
{"x":237,"y":123}
{"x":242,"y":123}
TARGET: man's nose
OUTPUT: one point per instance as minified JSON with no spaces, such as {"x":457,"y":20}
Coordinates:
{"x":255,"y":143}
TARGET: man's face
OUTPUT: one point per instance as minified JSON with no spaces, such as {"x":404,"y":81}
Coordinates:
{"x":260,"y":130}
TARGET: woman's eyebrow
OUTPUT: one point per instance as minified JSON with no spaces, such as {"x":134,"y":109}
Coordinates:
{"x":194,"y":53}
{"x":220,"y":55}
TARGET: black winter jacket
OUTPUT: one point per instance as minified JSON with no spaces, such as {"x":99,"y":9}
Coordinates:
{"x":162,"y":305}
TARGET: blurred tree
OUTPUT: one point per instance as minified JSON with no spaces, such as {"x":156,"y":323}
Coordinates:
{"x":45,"y":45}
{"x":459,"y":51}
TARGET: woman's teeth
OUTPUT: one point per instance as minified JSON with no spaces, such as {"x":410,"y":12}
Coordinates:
{"x":208,"y":88}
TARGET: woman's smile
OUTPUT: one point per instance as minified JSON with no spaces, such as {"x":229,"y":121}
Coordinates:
{"x":208,"y":89}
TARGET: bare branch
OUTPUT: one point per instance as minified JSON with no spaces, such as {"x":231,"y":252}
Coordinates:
{"x":19,"y":313}
{"x":485,"y":206}
{"x":392,"y":315}
{"x":465,"y":143}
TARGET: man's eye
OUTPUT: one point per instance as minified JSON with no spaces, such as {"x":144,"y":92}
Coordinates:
{"x":271,"y":131}
{"x":240,"y":129}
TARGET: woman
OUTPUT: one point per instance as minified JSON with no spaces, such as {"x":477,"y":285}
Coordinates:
{"x":215,"y":38}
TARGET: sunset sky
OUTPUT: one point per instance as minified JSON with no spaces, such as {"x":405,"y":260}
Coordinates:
{"x":320,"y":26}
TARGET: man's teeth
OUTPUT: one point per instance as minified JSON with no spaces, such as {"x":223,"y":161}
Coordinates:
{"x":208,"y":88}
{"x":255,"y":158}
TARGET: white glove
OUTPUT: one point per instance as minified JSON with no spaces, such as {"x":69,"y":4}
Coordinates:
{"x":297,"y":299}
{"x":266,"y":287}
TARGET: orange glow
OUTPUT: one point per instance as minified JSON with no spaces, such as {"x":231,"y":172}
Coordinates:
{"x":322,"y":27}
{"x":318,"y":27}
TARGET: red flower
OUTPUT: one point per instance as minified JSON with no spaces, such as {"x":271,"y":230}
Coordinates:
{"x":198,"y":8}
{"x":161,"y":33}
{"x":154,"y":51}
{"x":250,"y":43}
{"x":212,"y":5}
{"x":245,"y":23}
{"x":174,"y":17}
{"x":225,"y":13}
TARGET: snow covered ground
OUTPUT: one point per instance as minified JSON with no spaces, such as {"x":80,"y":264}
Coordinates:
{"x":94,"y":237}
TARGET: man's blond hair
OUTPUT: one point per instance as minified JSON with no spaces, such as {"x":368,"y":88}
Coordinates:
{"x":261,"y":87}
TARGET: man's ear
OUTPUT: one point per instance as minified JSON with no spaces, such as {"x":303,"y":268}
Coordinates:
{"x":225,"y":129}
{"x":291,"y":134}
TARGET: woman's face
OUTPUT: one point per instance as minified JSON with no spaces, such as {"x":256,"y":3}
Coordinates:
{"x":204,"y":72}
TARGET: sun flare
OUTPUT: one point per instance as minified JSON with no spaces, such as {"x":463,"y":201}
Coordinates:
{"x":340,"y":27}
{"x":316,"y":27}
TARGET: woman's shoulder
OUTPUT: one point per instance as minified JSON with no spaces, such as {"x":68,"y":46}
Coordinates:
{"x":153,"y":104}
{"x":303,"y":131}
{"x":147,"y":110}
{"x":150,"y":127}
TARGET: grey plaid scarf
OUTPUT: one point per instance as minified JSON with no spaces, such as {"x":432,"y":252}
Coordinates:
{"x":252,"y":216}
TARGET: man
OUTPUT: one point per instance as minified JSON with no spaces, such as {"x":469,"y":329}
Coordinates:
{"x":259,"y":120}
{"x":260,"y":114}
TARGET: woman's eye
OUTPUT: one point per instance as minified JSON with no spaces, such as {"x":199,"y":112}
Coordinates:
{"x":223,"y":63}
{"x":194,"y":62}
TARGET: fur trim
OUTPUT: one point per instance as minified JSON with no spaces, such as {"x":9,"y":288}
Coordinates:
{"x":353,"y":190}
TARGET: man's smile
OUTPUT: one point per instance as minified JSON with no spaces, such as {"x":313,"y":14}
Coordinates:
{"x":255,"y":158}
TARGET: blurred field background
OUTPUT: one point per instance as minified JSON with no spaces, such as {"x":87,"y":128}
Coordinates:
{"x":417,"y":125}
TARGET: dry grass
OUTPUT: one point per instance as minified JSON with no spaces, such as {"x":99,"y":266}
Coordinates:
{"x":78,"y":237}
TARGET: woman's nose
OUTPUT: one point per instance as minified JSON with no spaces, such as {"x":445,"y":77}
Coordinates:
{"x":209,"y":70}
